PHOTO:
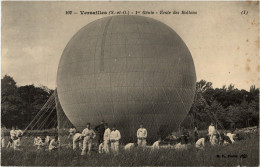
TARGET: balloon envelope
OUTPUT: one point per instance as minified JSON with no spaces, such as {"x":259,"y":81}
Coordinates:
{"x":127,"y":70}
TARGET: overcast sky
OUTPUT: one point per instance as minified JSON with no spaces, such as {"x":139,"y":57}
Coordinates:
{"x":223,"y":43}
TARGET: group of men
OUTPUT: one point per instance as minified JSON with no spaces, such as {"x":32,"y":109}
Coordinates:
{"x":14,"y":140}
{"x":41,"y":142}
{"x":108,"y":139}
{"x":214,"y":137}
{"x":16,"y":137}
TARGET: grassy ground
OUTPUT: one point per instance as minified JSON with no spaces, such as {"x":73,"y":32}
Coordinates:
{"x":246,"y":151}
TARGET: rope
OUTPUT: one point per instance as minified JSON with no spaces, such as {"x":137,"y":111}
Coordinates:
{"x":203,"y":99}
{"x":45,"y":120}
{"x":41,"y":116}
{"x":42,"y":109}
{"x":52,"y":120}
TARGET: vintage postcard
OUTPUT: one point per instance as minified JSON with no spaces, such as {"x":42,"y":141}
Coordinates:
{"x":127,"y":83}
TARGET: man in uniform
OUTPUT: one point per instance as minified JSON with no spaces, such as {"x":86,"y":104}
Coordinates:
{"x":115,"y":136}
{"x":100,"y":129}
{"x":77,"y":141}
{"x":19,"y":134}
{"x":88,"y":135}
{"x":212,"y":134}
{"x":54,"y":144}
{"x":141,"y":136}
{"x":106,"y":138}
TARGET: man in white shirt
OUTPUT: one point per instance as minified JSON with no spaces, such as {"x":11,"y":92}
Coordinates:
{"x":38,"y":142}
{"x":129,"y":146}
{"x":18,"y":133}
{"x":231,"y":136}
{"x":12,"y":137}
{"x":200,"y":144}
{"x":141,"y":136}
{"x":115,"y":136}
{"x":13,"y":133}
{"x":3,"y":129}
{"x":106,"y":138}
{"x":88,"y":135}
{"x":212,"y":134}
{"x":54,"y":144}
{"x":77,"y":138}
{"x":47,"y":139}
{"x":72,"y":131}
{"x":156,"y":145}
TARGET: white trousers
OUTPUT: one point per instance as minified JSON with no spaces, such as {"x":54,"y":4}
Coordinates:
{"x":77,"y":144}
{"x":3,"y":142}
{"x":17,"y":144}
{"x":115,"y":147}
{"x":213,"y":140}
{"x":141,"y":142}
{"x":106,"y":148}
{"x":87,"y":144}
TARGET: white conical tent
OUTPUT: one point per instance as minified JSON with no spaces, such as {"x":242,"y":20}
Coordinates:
{"x":127,"y":70}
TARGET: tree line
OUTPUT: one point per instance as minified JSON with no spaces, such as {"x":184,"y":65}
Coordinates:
{"x":230,"y":106}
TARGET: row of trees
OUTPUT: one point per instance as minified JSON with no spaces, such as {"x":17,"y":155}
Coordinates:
{"x":232,"y":107}
{"x":19,"y":105}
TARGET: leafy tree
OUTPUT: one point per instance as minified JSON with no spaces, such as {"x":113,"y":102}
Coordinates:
{"x":10,"y":102}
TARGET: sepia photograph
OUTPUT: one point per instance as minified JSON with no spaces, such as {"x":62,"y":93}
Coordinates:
{"x":127,"y":83}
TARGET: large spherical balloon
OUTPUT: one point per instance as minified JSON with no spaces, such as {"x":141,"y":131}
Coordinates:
{"x":127,"y":70}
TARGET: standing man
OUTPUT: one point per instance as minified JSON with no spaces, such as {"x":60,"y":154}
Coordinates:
{"x":3,"y":129}
{"x":212,"y":134}
{"x":106,"y":138}
{"x":88,"y":135}
{"x":115,"y":136}
{"x":100,"y":129}
{"x":141,"y":136}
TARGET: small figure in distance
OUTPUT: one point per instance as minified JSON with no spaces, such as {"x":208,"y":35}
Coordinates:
{"x":12,"y":136}
{"x":130,"y":146}
{"x":156,"y":145}
{"x":3,"y":129}
{"x":141,"y":136}
{"x":72,"y":131}
{"x":196,"y":134}
{"x":231,"y":136}
{"x":200,"y":143}
{"x":54,"y":144}
{"x":212,"y":134}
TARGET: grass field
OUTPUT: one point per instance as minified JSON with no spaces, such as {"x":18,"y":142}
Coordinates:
{"x":244,"y":153}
